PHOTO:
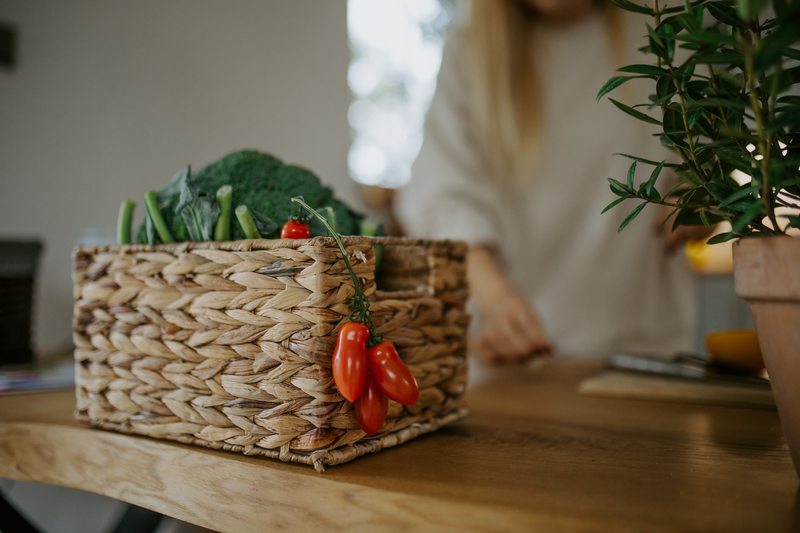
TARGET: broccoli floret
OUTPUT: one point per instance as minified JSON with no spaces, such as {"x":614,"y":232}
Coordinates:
{"x":265,"y":185}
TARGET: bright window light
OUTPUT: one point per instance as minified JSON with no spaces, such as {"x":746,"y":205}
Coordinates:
{"x":741,"y":178}
{"x":397,"y":51}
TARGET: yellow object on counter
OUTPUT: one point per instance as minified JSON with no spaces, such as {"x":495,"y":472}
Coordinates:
{"x":710,"y":258}
{"x":736,"y":348}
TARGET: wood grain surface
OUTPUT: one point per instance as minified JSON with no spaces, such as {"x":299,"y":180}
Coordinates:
{"x":533,"y":455}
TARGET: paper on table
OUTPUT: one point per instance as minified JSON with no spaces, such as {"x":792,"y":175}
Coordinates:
{"x":634,"y":385}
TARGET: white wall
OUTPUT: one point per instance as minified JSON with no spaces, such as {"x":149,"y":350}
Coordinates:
{"x":110,"y":99}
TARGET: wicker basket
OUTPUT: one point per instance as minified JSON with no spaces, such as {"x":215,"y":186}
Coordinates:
{"x":228,"y":344}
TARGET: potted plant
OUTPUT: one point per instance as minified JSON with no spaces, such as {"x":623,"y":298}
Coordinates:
{"x":726,"y":75}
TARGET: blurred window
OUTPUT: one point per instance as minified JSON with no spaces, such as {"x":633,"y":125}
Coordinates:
{"x":397,"y":50}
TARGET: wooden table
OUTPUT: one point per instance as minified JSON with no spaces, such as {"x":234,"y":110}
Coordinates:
{"x":532,"y":455}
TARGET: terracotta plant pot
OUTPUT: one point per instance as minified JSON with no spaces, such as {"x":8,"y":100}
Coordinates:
{"x":767,"y":275}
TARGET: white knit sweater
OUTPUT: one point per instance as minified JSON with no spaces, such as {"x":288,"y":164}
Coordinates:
{"x":595,"y":290}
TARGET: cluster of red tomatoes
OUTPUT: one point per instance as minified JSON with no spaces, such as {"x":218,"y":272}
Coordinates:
{"x":367,"y":376}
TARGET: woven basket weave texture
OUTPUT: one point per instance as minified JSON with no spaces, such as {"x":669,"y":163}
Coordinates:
{"x":228,"y":345}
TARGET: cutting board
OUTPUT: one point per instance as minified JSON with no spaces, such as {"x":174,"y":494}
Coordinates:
{"x":640,"y":386}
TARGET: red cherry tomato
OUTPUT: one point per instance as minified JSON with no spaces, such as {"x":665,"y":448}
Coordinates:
{"x":294,"y":229}
{"x":393,"y":376}
{"x":350,"y":359}
{"x":371,"y":407}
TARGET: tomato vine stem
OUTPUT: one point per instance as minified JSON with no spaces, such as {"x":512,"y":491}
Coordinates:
{"x":359,"y":305}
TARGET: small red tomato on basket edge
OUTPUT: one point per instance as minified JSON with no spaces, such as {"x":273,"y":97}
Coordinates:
{"x":392,"y":375}
{"x":349,"y":361}
{"x":371,"y":407}
{"x":294,"y":229}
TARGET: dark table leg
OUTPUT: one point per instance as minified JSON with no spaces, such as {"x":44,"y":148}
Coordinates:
{"x":138,"y":520}
{"x":11,"y":520}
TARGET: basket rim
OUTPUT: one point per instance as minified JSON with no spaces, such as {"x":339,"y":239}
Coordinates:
{"x":455,"y":247}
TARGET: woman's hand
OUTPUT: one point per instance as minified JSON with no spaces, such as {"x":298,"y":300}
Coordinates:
{"x":511,"y":331}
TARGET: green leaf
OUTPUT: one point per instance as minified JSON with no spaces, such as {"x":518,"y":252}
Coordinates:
{"x":704,"y":219}
{"x":627,"y":5}
{"x":631,"y":216}
{"x":655,"y":37}
{"x":675,"y":188}
{"x":720,"y":190}
{"x":198,"y":211}
{"x":791,"y":53}
{"x":264,"y":224}
{"x":725,"y":14}
{"x":649,"y":70}
{"x":755,"y":209}
{"x":668,"y":217}
{"x":669,"y":33}
{"x":612,"y":84}
{"x":738,"y":195}
{"x":678,"y":9}
{"x":188,"y":189}
{"x":631,"y":172}
{"x":647,"y":161}
{"x":618,"y":188}
{"x":612,"y":204}
{"x":706,"y":37}
{"x":718,"y":102}
{"x":674,"y":127}
{"x":688,"y":216}
{"x":691,"y":19}
{"x":650,"y":188}
{"x":654,"y":195}
{"x":794,"y":221}
{"x":204,"y":213}
{"x":665,"y":88}
{"x":693,"y":115}
{"x":726,"y":57}
{"x":636,"y":114}
{"x":722,"y":237}
{"x":749,"y":8}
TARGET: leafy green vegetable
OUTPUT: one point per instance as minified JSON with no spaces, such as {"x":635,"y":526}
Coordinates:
{"x":199,"y":210}
{"x":259,"y":181}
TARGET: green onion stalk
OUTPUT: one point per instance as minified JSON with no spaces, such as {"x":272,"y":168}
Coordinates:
{"x":247,"y":223}
{"x":222,"y":230}
{"x":124,"y":221}
{"x":151,"y":203}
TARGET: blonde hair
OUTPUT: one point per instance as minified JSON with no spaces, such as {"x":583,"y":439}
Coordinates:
{"x":507,"y":95}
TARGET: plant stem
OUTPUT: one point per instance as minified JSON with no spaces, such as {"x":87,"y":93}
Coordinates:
{"x":151,"y":203}
{"x":222,"y":229}
{"x":763,"y":144}
{"x":696,"y":168}
{"x":657,"y":21}
{"x":247,"y":223}
{"x":360,"y":303}
{"x":124,"y":221}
